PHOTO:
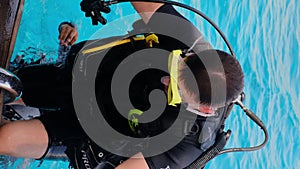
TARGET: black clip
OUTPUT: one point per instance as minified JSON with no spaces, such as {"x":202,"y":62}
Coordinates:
{"x":93,"y":9}
{"x":190,"y":128}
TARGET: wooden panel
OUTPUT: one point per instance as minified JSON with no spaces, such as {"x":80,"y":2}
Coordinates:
{"x":10,"y":17}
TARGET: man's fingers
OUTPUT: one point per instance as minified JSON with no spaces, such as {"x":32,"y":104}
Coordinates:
{"x":64,"y":33}
{"x":68,"y":35}
{"x":72,"y":37}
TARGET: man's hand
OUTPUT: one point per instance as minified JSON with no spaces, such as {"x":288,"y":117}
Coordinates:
{"x":68,"y":34}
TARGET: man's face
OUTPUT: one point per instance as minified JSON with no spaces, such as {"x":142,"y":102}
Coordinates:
{"x":192,"y":100}
{"x":194,"y":103}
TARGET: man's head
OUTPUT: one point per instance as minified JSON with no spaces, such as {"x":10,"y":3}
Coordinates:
{"x":210,"y":70}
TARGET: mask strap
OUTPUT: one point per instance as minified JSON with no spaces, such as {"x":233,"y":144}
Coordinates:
{"x":173,"y":93}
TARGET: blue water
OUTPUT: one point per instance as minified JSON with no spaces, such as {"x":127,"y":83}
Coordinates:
{"x":265,"y":36}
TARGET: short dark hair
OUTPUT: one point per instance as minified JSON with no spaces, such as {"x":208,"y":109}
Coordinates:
{"x":211,"y":70}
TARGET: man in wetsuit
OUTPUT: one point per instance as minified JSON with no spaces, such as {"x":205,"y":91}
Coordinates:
{"x":60,"y":128}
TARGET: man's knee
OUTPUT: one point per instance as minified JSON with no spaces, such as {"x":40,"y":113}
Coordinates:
{"x":23,"y":139}
{"x":6,"y":144}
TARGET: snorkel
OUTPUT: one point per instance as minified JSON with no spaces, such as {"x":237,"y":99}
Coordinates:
{"x":93,"y":9}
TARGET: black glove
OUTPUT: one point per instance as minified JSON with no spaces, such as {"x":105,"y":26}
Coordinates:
{"x":93,"y":9}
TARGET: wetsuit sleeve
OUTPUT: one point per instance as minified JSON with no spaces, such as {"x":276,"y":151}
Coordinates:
{"x":178,"y":157}
{"x":168,"y":21}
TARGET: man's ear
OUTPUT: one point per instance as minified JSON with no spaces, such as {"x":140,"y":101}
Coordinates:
{"x":165,"y":80}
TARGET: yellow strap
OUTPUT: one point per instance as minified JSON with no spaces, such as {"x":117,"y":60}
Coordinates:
{"x":149,"y":40}
{"x":173,"y":93}
{"x":112,"y":44}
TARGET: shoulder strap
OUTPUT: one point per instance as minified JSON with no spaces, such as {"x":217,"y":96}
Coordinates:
{"x":149,"y":38}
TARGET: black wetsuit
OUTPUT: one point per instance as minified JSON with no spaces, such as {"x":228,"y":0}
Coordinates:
{"x":49,"y":87}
